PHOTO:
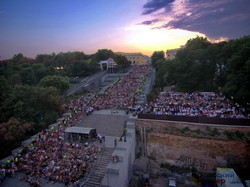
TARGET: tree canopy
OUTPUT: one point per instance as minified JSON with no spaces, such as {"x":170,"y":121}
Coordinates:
{"x":205,"y":66}
{"x":157,"y":55}
{"x":61,"y":83}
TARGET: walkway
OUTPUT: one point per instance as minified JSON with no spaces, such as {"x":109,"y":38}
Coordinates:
{"x":87,"y":82}
{"x":107,"y":122}
{"x":98,"y":172}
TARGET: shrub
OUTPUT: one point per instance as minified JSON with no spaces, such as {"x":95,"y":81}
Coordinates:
{"x":229,"y":135}
{"x":239,"y":135}
{"x":184,"y":130}
{"x":198,"y":131}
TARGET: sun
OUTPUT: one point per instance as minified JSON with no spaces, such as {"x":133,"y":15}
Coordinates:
{"x":148,"y":40}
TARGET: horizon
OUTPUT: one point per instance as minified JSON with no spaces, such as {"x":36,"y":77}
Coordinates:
{"x":45,"y":27}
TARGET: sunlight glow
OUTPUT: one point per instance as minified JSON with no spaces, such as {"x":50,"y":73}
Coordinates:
{"x":148,"y":40}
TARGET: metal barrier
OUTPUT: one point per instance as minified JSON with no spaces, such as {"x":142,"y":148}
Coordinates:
{"x":197,"y":119}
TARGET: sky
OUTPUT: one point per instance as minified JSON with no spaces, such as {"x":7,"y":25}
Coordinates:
{"x":33,"y":27}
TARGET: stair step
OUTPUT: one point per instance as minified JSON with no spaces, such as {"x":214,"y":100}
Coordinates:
{"x":96,"y":180}
{"x":100,"y":169}
{"x":92,"y":184}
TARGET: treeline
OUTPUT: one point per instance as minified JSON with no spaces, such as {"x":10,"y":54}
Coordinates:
{"x":205,"y":66}
{"x":33,"y":90}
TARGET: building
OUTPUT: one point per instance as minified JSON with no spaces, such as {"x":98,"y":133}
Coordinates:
{"x":171,"y":53}
{"x":109,"y":65}
{"x":136,"y":58}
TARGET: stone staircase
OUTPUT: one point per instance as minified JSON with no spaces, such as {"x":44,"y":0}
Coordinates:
{"x":98,"y":172}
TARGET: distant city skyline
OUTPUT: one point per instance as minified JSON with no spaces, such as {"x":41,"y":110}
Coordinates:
{"x":44,"y":27}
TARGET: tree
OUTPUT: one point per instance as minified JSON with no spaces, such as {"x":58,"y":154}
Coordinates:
{"x":15,"y":80}
{"x":198,"y":43}
{"x":40,"y":71}
{"x":17,"y":57}
{"x":157,"y":55}
{"x":18,"y":104}
{"x":78,"y":68}
{"x":122,"y":61}
{"x":47,"y":103}
{"x":103,"y":54}
{"x":11,"y":133}
{"x":193,"y":69}
{"x":61,"y":83}
{"x":238,"y":70}
{"x":28,"y":76}
{"x":4,"y":87}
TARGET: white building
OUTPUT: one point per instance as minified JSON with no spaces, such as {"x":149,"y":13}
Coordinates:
{"x":110,"y":64}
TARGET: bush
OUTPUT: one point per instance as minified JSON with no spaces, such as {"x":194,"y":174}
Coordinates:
{"x":138,"y":155}
{"x":198,"y":131}
{"x":208,"y":129}
{"x":184,"y":130}
{"x":165,"y":165}
{"x":229,"y":135}
{"x":214,"y":132}
{"x":151,"y":158}
{"x":239,"y":135}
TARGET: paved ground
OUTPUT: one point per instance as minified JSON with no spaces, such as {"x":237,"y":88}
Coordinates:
{"x":108,"y":122}
{"x":86,"y":82}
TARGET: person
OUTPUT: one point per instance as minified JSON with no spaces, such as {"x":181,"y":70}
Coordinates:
{"x":103,"y":137}
{"x":115,"y":142}
{"x":115,"y":158}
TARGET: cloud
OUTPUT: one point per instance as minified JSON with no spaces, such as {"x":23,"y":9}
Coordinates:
{"x":155,"y":5}
{"x":223,"y":18}
{"x":149,"y":22}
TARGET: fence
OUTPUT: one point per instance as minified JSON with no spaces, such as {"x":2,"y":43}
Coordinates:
{"x":197,"y":119}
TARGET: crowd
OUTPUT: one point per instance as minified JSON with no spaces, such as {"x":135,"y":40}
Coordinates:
{"x":125,"y":92}
{"x":55,"y":160}
{"x":50,"y":157}
{"x":196,"y":104}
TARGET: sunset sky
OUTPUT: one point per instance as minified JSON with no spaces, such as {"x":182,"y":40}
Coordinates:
{"x":36,"y":27}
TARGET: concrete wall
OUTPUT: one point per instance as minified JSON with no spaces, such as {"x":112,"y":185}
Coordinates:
{"x":197,"y":146}
{"x":119,"y":173}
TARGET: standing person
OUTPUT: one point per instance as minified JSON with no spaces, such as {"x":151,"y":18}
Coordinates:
{"x":115,"y":142}
{"x":103,"y":137}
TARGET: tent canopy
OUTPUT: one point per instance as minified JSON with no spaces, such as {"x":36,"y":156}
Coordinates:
{"x":79,"y":130}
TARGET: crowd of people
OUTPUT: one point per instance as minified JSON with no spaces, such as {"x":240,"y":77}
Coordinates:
{"x":55,"y":160}
{"x":48,"y":156}
{"x":196,"y":104}
{"x":121,"y":95}
{"x":125,"y":92}
{"x":51,"y":158}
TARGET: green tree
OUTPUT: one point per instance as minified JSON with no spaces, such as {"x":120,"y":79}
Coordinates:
{"x":17,"y":57}
{"x":15,"y":80}
{"x":61,"y":83}
{"x":18,"y":104}
{"x":122,"y":61}
{"x":104,"y":54}
{"x":197,"y":43}
{"x":157,"y":55}
{"x":238,"y":70}
{"x":4,"y":87}
{"x":28,"y":76}
{"x":40,"y":71}
{"x":47,"y":103}
{"x":193,"y":69}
